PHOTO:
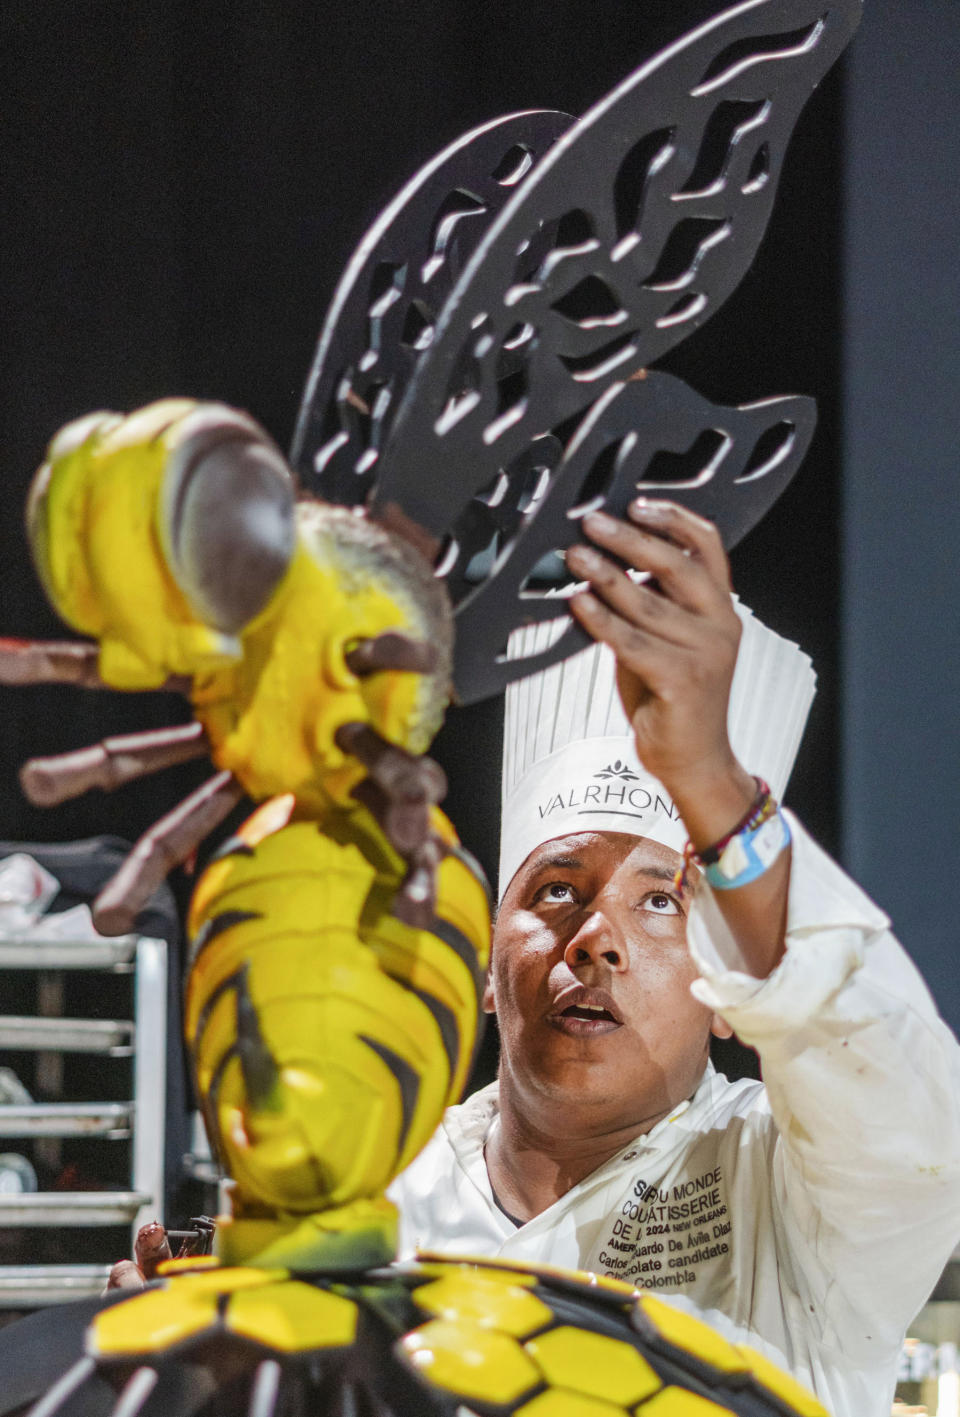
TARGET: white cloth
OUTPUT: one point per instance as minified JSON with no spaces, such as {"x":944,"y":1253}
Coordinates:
{"x":811,"y":1216}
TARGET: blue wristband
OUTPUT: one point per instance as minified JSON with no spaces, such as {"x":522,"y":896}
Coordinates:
{"x":749,"y":854}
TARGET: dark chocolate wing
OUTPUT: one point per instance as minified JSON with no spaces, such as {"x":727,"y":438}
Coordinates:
{"x":384,"y":311}
{"x":631,"y":231}
{"x":652,"y":435}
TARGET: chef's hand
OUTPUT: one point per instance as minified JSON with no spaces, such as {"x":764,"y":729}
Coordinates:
{"x":676,"y":641}
{"x":676,"y":646}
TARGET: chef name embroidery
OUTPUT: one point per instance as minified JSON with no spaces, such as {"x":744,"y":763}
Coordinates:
{"x":663,"y":1235}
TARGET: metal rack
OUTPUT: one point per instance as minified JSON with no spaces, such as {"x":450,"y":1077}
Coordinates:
{"x":138,"y":1122}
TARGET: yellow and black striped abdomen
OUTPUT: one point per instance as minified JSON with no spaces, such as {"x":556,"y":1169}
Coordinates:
{"x":327,"y":1035}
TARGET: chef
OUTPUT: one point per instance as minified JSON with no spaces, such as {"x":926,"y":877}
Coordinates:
{"x":654,"y":892}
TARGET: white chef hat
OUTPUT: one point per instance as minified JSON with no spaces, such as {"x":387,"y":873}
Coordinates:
{"x":570,"y":762}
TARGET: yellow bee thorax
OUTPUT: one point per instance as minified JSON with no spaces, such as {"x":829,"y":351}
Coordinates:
{"x":293,"y":672}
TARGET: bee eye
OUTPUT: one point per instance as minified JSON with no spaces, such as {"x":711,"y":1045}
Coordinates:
{"x":227,"y":516}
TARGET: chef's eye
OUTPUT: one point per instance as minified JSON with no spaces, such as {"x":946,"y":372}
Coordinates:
{"x":661,"y":904}
{"x":556,"y":893}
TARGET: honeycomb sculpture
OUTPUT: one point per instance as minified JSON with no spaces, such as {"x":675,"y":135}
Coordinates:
{"x":443,"y":1336}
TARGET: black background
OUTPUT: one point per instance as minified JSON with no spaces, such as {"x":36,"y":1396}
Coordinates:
{"x":184,"y":184}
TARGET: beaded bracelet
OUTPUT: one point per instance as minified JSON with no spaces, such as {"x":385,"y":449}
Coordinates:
{"x":746,"y":851}
{"x":750,"y":854}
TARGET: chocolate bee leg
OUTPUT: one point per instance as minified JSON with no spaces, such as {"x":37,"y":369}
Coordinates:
{"x":49,"y":662}
{"x":399,"y":791}
{"x":416,"y":901}
{"x":168,"y":843}
{"x":392,"y":650}
{"x":408,"y":784}
{"x":401,"y":787}
{"x":110,"y":763}
{"x":62,"y":662}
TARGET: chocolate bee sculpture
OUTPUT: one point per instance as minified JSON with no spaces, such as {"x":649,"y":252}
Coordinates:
{"x":483,"y":379}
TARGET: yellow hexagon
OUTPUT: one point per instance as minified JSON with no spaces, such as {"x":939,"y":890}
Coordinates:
{"x":558,"y":1403}
{"x":292,"y":1317}
{"x":677,"y":1402}
{"x":187,"y":1264}
{"x":521,"y":1272}
{"x":594,"y":1365}
{"x":692,"y":1336}
{"x":148,"y":1323}
{"x":781,"y":1384}
{"x":224,"y":1280}
{"x":585,"y":1278}
{"x":151,"y":1322}
{"x":504,"y":1271}
{"x":479,"y":1298}
{"x":471,"y":1361}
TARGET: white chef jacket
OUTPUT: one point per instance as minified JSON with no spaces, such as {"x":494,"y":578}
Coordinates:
{"x":810,"y":1215}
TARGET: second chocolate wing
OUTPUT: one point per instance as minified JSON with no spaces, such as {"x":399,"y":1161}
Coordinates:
{"x":652,"y":436}
{"x":384,"y":311}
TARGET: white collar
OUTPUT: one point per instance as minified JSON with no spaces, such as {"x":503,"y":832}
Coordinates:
{"x":470,"y":1125}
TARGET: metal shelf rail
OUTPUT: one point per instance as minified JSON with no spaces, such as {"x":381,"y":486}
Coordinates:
{"x":140,"y":1121}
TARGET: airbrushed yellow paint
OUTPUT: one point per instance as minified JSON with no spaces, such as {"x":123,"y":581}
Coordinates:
{"x":522,"y":1273}
{"x":292,"y":671}
{"x":186,"y":1264}
{"x":225,"y":1279}
{"x":471,"y":1349}
{"x":470,"y":1361}
{"x":161,"y":1318}
{"x":470,"y":1295}
{"x":270,"y":698}
{"x":556,"y":1402}
{"x":97,"y":548}
{"x":510,"y":1272}
{"x":347,"y":1238}
{"x":293,"y":1317}
{"x":784,"y":1386}
{"x":150,"y":1323}
{"x":315,"y":961}
{"x":263,"y":1305}
{"x":692,"y":1336}
{"x":594,"y":1365}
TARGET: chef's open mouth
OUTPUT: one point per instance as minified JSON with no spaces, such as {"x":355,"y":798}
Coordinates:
{"x":584,"y":1020}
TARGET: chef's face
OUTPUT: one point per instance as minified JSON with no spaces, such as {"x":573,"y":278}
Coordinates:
{"x":590,"y":977}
